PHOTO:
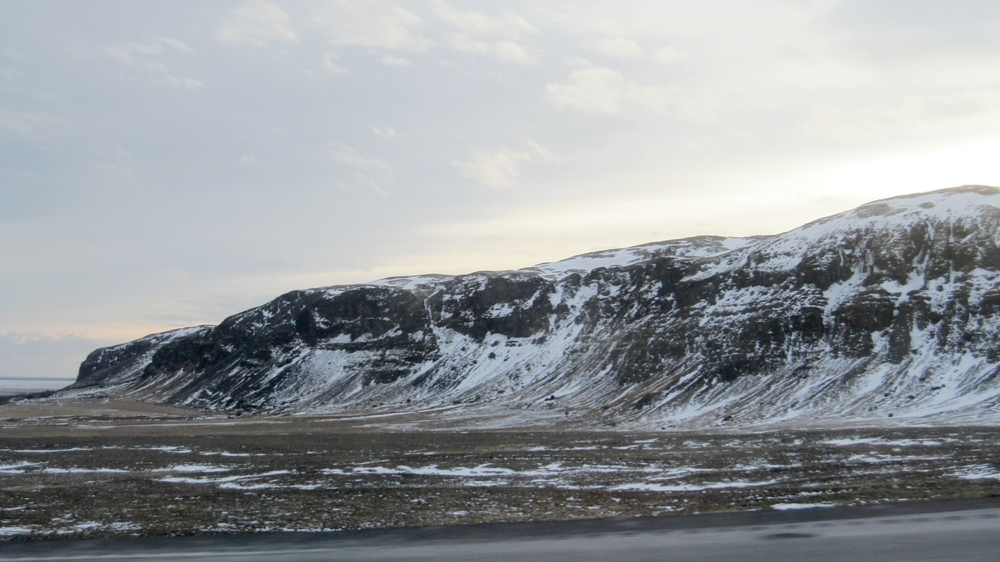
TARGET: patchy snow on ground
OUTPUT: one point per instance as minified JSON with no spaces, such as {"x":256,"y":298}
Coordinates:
{"x":653,"y":487}
{"x":15,"y":531}
{"x":849,"y":441}
{"x":193,"y":468}
{"x":789,"y":506}
{"x":977,"y":472}
{"x":45,"y":451}
{"x":77,"y":470}
{"x":221,"y":480}
{"x":17,"y":468}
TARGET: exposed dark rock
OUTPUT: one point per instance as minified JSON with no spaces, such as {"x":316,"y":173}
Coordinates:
{"x":671,"y":324}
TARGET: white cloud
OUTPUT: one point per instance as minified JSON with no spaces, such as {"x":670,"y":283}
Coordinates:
{"x":370,"y":172}
{"x":474,"y":28}
{"x":143,"y":55}
{"x":505,"y":51}
{"x":346,"y":155}
{"x":387,"y":131}
{"x":29,"y":125}
{"x":177,"y":82}
{"x":508,"y":24}
{"x":129,"y":52}
{"x":603,"y":90}
{"x":256,"y":23}
{"x":510,"y":52}
{"x":248,"y":159}
{"x":329,"y":65}
{"x":498,"y":169}
{"x":501,"y":168}
{"x":370,"y":23}
{"x":176,"y":44}
{"x":389,"y":60}
{"x":667,"y":55}
{"x":542,"y":152}
{"x":619,"y":47}
{"x":463,"y":42}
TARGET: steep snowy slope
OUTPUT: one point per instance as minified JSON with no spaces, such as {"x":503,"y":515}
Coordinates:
{"x":892,"y":309}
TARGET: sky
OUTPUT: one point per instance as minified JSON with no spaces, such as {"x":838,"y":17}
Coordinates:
{"x":170,"y":163}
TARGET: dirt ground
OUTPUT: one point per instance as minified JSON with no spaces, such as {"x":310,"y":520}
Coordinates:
{"x":104,"y":468}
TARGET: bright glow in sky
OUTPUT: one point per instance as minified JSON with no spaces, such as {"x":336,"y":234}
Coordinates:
{"x":168,"y":163}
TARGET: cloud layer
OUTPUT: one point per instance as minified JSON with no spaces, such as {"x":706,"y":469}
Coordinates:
{"x":256,"y":23}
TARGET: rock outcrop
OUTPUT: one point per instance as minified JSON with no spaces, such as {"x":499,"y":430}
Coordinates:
{"x":890,"y":309}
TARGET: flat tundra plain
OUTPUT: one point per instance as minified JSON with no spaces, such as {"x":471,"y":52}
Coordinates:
{"x":110,"y":469}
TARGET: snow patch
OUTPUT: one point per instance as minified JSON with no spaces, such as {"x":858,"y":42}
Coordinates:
{"x":789,"y":506}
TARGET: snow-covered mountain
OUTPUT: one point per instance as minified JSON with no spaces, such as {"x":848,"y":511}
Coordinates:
{"x":891,"y":309}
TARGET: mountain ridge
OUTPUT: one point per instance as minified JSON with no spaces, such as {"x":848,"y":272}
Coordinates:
{"x":892,"y":308}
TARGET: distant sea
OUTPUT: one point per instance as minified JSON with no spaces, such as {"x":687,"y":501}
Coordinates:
{"x":18,"y":385}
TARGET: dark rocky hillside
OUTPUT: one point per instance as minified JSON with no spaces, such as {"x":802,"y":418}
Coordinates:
{"x":892,"y":309}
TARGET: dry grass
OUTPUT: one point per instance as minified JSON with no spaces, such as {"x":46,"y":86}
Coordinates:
{"x":79,"y":469}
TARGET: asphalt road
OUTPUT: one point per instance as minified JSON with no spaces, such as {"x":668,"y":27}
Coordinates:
{"x":966,"y":531}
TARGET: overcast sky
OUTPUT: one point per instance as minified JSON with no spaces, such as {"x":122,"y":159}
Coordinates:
{"x":170,"y":163}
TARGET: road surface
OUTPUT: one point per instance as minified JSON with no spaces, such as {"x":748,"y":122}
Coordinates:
{"x":966,"y":531}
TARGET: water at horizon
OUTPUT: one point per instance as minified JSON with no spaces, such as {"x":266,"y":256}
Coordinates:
{"x":16,"y":385}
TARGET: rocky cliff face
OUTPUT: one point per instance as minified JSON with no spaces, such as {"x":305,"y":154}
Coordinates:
{"x":890,"y":309}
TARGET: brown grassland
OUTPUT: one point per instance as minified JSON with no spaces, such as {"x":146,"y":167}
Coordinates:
{"x":117,"y":468}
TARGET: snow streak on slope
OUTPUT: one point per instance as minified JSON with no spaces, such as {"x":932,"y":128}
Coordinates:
{"x":892,"y":309}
